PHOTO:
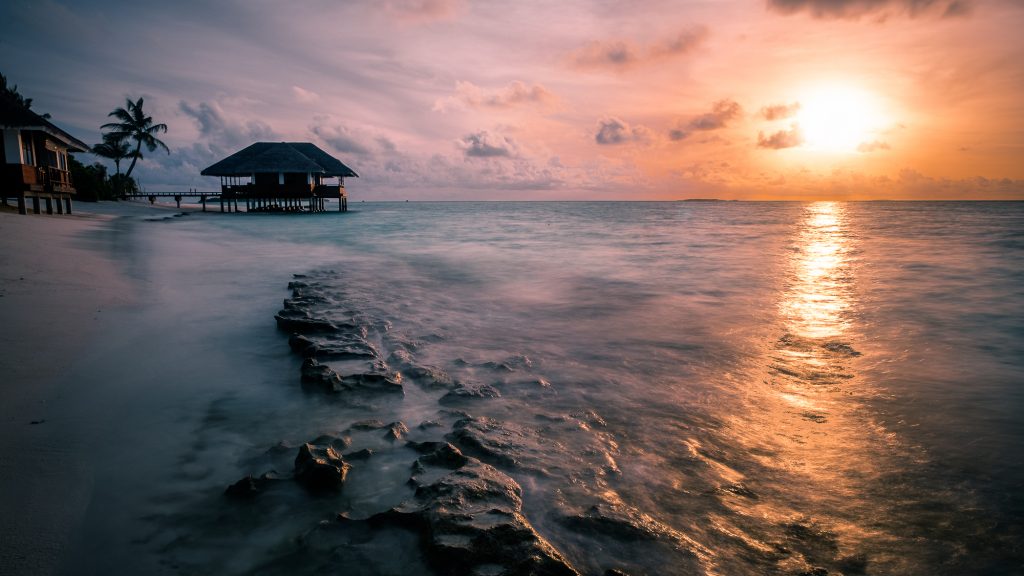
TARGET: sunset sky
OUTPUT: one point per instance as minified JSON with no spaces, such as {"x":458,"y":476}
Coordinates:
{"x":597,"y":99}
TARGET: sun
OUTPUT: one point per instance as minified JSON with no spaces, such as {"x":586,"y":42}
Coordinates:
{"x":838,"y":119}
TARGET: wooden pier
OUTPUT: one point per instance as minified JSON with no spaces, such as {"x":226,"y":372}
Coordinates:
{"x":316,"y":201}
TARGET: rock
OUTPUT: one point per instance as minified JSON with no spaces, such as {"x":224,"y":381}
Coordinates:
{"x":300,"y":321}
{"x":350,"y":348}
{"x":444,"y":455}
{"x":490,"y":440}
{"x":325,"y":377}
{"x":738,"y":489}
{"x":302,"y":345}
{"x":363,"y":454}
{"x":314,"y":372}
{"x":424,"y":447}
{"x":248,"y":487}
{"x":626,"y":524}
{"x":471,"y":522}
{"x":336,"y":442}
{"x":841,"y":348}
{"x":396,"y":430}
{"x":320,"y":468}
{"x":429,"y":377}
{"x":470,"y":392}
{"x":372,"y":382}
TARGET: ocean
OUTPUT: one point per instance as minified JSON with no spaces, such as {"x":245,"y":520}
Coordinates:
{"x":675,"y":388}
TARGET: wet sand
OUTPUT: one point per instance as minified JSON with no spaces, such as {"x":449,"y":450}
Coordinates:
{"x":53,"y":295}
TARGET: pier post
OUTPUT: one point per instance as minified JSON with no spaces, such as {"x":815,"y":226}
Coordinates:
{"x":60,"y":207}
{"x":21,"y":203}
{"x":35,"y":204}
{"x":49,"y":206}
{"x":222,"y":203}
{"x":67,"y":204}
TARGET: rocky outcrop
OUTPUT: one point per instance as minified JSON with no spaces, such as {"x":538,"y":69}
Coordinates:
{"x":301,"y":321}
{"x":320,"y":468}
{"x":623,"y":523}
{"x":249,"y":487}
{"x":471,"y":521}
{"x":332,"y":348}
{"x":465,"y":392}
{"x":327,"y":379}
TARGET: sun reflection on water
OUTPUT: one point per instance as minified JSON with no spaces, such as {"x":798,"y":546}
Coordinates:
{"x":816,"y":303}
{"x":814,"y":448}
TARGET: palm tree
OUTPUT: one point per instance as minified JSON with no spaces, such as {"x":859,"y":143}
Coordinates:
{"x":135,"y":125}
{"x":11,"y":96}
{"x":116,"y":149}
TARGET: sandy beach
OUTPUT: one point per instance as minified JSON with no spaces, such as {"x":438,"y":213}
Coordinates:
{"x":54,"y":291}
{"x":61,"y":287}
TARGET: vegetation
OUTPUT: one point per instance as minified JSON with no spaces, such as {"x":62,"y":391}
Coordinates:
{"x":134,"y":125}
{"x":10,"y":97}
{"x":114,"y":148}
{"x":91,"y":182}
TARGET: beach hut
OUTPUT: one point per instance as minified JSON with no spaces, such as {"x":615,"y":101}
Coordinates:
{"x":281,"y":177}
{"x":35,"y":153}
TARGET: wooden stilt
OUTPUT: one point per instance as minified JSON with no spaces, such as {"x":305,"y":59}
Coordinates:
{"x":67,"y":204}
{"x":49,"y":205}
{"x":35,"y":204}
{"x":60,"y":207}
{"x":21,"y":204}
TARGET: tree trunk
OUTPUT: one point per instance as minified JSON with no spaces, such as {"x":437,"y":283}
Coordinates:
{"x":135,"y":157}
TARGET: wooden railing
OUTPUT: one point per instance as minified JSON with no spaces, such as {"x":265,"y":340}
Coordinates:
{"x":284,"y":190}
{"x":57,"y":178}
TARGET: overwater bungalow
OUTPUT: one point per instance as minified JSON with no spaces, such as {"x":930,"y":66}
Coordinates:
{"x":281,"y":177}
{"x":35,"y":153}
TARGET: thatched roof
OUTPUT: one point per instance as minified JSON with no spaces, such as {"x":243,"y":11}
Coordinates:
{"x":18,"y":118}
{"x":286,"y":157}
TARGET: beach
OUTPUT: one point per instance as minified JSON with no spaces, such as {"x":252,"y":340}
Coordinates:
{"x":54,"y":293}
{"x":717,"y":387}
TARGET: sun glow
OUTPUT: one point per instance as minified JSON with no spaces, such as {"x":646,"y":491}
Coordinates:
{"x":838,"y":119}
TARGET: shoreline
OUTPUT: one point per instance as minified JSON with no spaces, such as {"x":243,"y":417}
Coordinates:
{"x":55,"y":291}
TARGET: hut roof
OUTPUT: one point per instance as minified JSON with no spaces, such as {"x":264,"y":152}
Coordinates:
{"x":16,"y":117}
{"x":286,"y":157}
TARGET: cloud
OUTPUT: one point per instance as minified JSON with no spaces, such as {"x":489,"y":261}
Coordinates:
{"x":721,"y":113}
{"x":218,"y":130}
{"x":782,"y":139}
{"x":338,"y":136}
{"x":305,"y":96}
{"x":883,"y":8}
{"x":780,"y":111}
{"x":484,"y":144}
{"x":873,"y":146}
{"x":422,"y":11}
{"x":615,"y":131}
{"x":515,"y":93}
{"x":621,"y":54}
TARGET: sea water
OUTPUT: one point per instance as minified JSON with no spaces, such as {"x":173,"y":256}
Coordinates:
{"x":779,"y":387}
